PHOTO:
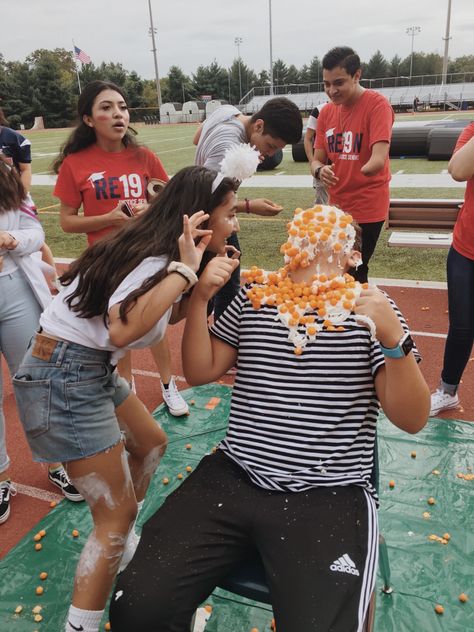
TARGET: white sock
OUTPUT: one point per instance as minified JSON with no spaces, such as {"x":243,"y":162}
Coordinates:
{"x":83,"y":620}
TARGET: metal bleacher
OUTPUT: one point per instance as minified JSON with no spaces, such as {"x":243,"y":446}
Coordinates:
{"x":435,"y":94}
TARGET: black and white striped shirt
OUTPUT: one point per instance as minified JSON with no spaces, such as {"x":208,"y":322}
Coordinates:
{"x":297,"y":422}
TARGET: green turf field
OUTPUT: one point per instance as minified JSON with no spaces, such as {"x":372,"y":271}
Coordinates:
{"x":174,"y":146}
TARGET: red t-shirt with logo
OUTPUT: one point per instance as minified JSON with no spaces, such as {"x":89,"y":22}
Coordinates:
{"x":347,"y":135}
{"x":463,"y":236}
{"x":97,"y":179}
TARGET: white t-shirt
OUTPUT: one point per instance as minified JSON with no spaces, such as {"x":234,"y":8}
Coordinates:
{"x":59,"y":320}
{"x":313,"y":117}
{"x":221,"y":130}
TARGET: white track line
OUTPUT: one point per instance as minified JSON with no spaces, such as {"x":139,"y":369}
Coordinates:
{"x":35,"y":492}
{"x":178,"y":378}
{"x":426,"y":334}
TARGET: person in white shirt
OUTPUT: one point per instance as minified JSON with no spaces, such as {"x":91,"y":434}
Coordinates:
{"x":24,"y":293}
{"x":120,"y":294}
{"x":321,"y":195}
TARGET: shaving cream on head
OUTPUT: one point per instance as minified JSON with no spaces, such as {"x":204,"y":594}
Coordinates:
{"x":316,"y":232}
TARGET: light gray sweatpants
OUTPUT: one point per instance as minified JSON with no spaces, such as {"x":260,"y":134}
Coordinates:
{"x":19,"y":318}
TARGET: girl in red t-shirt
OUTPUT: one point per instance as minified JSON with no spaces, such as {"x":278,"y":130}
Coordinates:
{"x":102,"y":169}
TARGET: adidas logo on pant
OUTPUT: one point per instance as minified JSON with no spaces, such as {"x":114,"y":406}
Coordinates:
{"x":344,"y":564}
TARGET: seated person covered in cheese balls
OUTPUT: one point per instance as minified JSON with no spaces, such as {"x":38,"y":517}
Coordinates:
{"x":316,"y":355}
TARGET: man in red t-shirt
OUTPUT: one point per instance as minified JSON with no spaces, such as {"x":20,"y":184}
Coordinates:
{"x":354,"y":133}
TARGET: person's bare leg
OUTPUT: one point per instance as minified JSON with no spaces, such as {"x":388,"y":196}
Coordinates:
{"x":161,"y":354}
{"x":145,"y":442}
{"x":105,"y":482}
{"x":124,"y":366}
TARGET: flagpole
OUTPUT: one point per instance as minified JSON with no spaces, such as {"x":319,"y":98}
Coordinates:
{"x":75,"y":64}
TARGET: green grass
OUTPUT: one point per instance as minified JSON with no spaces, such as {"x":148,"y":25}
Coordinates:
{"x":260,"y":243}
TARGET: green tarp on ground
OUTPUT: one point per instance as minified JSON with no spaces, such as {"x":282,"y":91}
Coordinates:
{"x":424,"y":572}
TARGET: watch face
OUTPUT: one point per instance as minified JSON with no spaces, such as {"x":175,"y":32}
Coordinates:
{"x":407,"y":345}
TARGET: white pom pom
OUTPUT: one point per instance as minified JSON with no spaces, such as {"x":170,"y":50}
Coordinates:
{"x":240,"y":162}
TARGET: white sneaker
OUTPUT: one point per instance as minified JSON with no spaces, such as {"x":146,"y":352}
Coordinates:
{"x":130,"y":547}
{"x":172,"y":398}
{"x":440,"y":400}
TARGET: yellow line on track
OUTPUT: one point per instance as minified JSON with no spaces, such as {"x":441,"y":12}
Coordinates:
{"x":45,"y":208}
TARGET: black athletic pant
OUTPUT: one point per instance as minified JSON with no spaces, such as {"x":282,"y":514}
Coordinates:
{"x":370,"y":235}
{"x":460,"y":338}
{"x":319,"y":550}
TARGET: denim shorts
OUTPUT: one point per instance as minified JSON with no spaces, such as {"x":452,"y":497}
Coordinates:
{"x":67,"y":403}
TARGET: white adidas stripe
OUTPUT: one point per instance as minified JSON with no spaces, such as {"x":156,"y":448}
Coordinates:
{"x":347,"y":560}
{"x":368,"y":578}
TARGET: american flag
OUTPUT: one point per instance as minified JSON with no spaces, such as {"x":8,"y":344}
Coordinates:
{"x":81,"y":55}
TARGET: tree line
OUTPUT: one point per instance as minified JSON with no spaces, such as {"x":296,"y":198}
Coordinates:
{"x":46,"y":84}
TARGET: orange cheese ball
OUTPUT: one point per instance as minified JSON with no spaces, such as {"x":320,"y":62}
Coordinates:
{"x":431,"y":501}
{"x":463,"y":597}
{"x":43,"y":575}
{"x":166,"y":481}
{"x":391,"y":484}
{"x":75,"y":533}
{"x":37,"y":537}
{"x":107,"y":626}
{"x":189,"y":468}
{"x":53,"y":504}
{"x":188,"y":446}
{"x":254,"y":630}
{"x":42,"y":533}
{"x":439,"y":609}
{"x":39,"y":590}
{"x":38,"y":618}
{"x":413,"y":455}
{"x":180,"y":476}
{"x":272,"y":625}
{"x":447,"y":537}
{"x":38,"y":546}
{"x":208,"y":607}
{"x":18,"y":609}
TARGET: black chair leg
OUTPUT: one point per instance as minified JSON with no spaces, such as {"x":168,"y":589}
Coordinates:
{"x":384,"y":565}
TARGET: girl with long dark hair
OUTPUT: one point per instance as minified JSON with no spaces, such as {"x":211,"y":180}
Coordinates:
{"x":119,"y":294}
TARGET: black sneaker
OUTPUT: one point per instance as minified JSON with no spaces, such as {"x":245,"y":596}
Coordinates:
{"x":6,"y":491}
{"x":60,"y":478}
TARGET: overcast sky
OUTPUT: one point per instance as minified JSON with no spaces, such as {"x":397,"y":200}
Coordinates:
{"x":190,"y":33}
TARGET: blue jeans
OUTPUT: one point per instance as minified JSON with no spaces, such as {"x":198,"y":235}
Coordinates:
{"x":67,"y":402}
{"x":19,"y":316}
{"x":460,"y":272}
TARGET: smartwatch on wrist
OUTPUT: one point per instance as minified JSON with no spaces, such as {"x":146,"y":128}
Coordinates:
{"x":318,"y":172}
{"x":403,"y":348}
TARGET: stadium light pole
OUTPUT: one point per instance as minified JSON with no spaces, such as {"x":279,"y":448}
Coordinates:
{"x":238,"y":41}
{"x":446,"y":45}
{"x":412,"y":31}
{"x":153,"y":50}
{"x":271,"y":44}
